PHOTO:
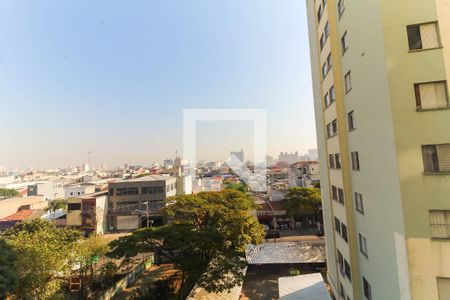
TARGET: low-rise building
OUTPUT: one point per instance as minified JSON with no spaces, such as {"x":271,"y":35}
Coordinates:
{"x":10,"y":206}
{"x":303,"y":174}
{"x":137,"y":202}
{"x":88,"y":212}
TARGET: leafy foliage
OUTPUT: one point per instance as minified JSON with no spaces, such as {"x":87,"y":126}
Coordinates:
{"x":8,"y":274}
{"x":207,"y":232}
{"x":301,"y":201}
{"x":8,"y":193}
{"x":45,"y":254}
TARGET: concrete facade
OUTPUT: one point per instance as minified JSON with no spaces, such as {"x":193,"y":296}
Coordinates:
{"x":391,"y":251}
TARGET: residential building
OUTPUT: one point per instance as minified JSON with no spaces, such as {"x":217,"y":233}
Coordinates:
{"x":290,"y":158}
{"x":303,"y":174}
{"x":76,"y":190}
{"x":10,"y":206}
{"x":88,"y":212}
{"x":52,"y":189}
{"x":380,"y":70}
{"x":137,"y":202}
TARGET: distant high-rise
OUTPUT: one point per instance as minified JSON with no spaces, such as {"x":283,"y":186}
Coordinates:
{"x":290,"y":158}
{"x":380,"y":71}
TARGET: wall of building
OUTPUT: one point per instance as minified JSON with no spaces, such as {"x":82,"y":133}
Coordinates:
{"x":428,"y":259}
{"x":11,"y":205}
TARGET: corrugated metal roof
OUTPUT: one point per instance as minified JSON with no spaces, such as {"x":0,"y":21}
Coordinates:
{"x":286,"y":253}
{"x":306,"y":287}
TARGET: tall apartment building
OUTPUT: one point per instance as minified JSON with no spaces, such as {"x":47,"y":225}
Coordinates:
{"x":380,"y":71}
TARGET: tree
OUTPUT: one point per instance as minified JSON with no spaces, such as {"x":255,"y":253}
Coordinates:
{"x":55,"y":205}
{"x":45,"y":255}
{"x":8,"y":193}
{"x":240,"y":186}
{"x":90,"y":251}
{"x":205,"y":239}
{"x":8,"y":274}
{"x":300,"y":201}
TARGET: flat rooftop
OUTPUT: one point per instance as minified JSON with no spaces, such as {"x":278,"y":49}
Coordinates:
{"x":307,"y":287}
{"x":149,"y":178}
{"x":286,"y":253}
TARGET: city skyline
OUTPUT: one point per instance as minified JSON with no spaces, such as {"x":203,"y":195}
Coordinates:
{"x":129,"y":71}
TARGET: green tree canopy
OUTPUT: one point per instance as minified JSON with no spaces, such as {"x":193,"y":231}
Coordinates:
{"x":205,"y":239}
{"x":8,"y":274}
{"x":8,"y":193}
{"x":301,"y":201}
{"x":45,"y":254}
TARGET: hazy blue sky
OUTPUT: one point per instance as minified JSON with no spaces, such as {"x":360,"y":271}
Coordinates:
{"x":114,"y":77}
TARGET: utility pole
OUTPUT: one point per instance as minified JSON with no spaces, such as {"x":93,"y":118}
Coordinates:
{"x":146,"y":211}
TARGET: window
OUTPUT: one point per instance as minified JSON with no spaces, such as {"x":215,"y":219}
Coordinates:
{"x":367,"y":289}
{"x":436,"y":158}
{"x":341,"y":8}
{"x":344,"y":42}
{"x":334,"y":193}
{"x":341,"y":290}
{"x":348,"y":272}
{"x":332,"y":94}
{"x":340,"y":259}
{"x":337,"y":225}
{"x":443,"y":287}
{"x":319,"y":13}
{"x":153,"y":190}
{"x":431,"y":95}
{"x":326,"y":99}
{"x":423,"y":36}
{"x":322,"y":41}
{"x":73,"y":206}
{"x":359,"y":203}
{"x":324,"y":70}
{"x":351,"y":121}
{"x":127,"y":191}
{"x":326,"y":30}
{"x":111,"y":192}
{"x":329,"y":62}
{"x":337,"y":158}
{"x":344,"y":232}
{"x":362,"y":244}
{"x":331,"y":161}
{"x":440,"y":224}
{"x":324,"y":2}
{"x":355,"y":160}
{"x":332,"y":129}
{"x":348,"y":82}
{"x":341,"y":195}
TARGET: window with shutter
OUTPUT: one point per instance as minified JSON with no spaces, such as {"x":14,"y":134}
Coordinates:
{"x":443,"y":153}
{"x":440,"y":224}
{"x":423,"y":36}
{"x":431,"y":95}
{"x":436,"y":158}
{"x":429,"y":37}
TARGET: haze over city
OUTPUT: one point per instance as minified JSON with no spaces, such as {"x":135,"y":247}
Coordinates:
{"x":114,"y":78}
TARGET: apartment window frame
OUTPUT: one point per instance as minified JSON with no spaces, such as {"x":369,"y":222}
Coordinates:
{"x":441,"y":226}
{"x":418,"y":95}
{"x":367,"y":289}
{"x":348,"y":82}
{"x":334,"y":192}
{"x":348,"y":270}
{"x":418,"y":26}
{"x":326,"y":99}
{"x":319,"y":13}
{"x":359,"y":203}
{"x":337,"y":225}
{"x":363,"y":245}
{"x":341,"y":197}
{"x":351,"y":120}
{"x":344,"y":43}
{"x":340,"y":8}
{"x":433,"y":165}
{"x":344,"y":232}
{"x":355,"y":161}
{"x":331,"y":161}
{"x":332,"y":92}
{"x":337,"y":161}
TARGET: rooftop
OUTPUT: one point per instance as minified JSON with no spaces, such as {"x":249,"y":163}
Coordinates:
{"x":286,"y":253}
{"x":150,"y":178}
{"x":308,"y":287}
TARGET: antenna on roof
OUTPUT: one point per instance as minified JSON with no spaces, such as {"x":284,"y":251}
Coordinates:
{"x":89,"y":152}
